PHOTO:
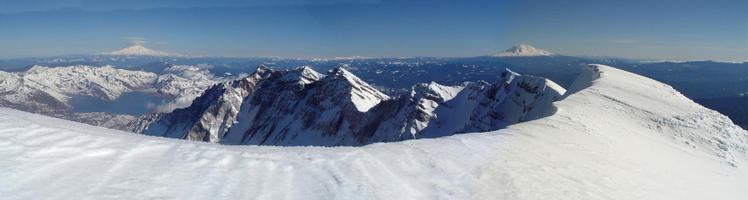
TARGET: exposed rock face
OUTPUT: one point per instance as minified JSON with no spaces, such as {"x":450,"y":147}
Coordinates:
{"x":208,"y":117}
{"x":433,"y":110}
{"x":303,"y":107}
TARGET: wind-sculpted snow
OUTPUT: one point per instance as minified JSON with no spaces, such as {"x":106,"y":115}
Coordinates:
{"x":47,"y":158}
{"x":303,"y":107}
{"x":622,"y":136}
{"x":618,"y":135}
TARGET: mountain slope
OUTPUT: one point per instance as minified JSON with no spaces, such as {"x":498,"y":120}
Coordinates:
{"x":604,"y":142}
{"x":621,"y":136}
{"x":303,"y":107}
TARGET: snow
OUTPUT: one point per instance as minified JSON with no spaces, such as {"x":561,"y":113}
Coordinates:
{"x":56,"y":159}
{"x":185,"y":82}
{"x":521,"y":50}
{"x":105,"y":82}
{"x":686,"y":61}
{"x":303,"y":75}
{"x":301,"y":107}
{"x":622,"y":137}
{"x":51,"y":90}
{"x":363,"y":96}
{"x":445,"y":92}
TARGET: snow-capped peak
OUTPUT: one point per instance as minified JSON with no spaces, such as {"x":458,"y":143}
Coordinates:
{"x":139,"y":50}
{"x":262,"y":69}
{"x":302,"y":75}
{"x":435,"y":91}
{"x":362,"y":94}
{"x":523,"y":50}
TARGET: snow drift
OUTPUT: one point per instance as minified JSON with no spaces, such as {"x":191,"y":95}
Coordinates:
{"x":616,"y":136}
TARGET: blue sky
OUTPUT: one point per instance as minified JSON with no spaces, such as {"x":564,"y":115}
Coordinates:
{"x":690,"y":30}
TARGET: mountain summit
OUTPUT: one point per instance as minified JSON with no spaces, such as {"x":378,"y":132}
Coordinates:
{"x":523,"y":50}
{"x":139,"y":50}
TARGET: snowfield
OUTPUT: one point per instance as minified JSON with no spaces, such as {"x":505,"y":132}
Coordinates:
{"x":616,"y":135}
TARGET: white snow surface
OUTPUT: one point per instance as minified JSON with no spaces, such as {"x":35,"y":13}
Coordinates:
{"x":363,"y":96}
{"x":622,"y":137}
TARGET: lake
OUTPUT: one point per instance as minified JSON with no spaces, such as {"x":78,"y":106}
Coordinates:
{"x":133,"y":103}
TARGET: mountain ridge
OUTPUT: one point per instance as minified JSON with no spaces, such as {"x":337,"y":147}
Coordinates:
{"x":271,"y":108}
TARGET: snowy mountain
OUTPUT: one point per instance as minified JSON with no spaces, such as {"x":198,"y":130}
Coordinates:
{"x":54,"y":91}
{"x":139,"y":50}
{"x":47,"y":89}
{"x":304,"y":107}
{"x":614,"y":135}
{"x":523,"y":50}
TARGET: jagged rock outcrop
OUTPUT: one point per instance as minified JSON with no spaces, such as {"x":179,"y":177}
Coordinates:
{"x":303,"y":107}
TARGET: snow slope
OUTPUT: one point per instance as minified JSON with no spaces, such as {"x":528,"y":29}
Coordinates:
{"x":47,"y":158}
{"x":623,"y":137}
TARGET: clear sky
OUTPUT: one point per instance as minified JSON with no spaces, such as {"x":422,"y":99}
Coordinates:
{"x":684,"y":30}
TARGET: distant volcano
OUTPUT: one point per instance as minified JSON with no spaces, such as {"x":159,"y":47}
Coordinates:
{"x":140,"y":50}
{"x":523,"y":50}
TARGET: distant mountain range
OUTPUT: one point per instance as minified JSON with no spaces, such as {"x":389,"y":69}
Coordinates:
{"x":719,"y":85}
{"x":59,"y":91}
